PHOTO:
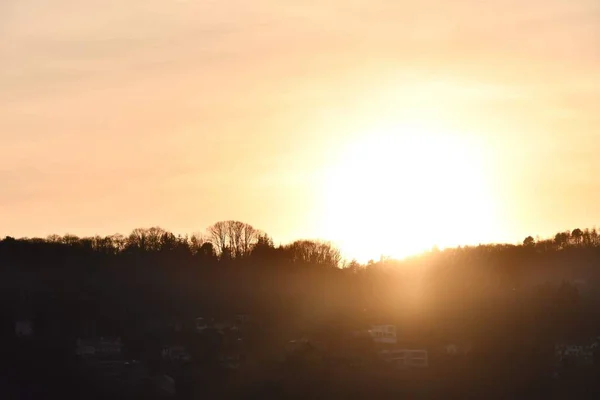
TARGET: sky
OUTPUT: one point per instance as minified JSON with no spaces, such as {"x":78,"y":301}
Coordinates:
{"x":117,"y":114}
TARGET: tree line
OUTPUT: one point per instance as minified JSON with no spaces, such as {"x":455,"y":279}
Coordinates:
{"x":234,"y":267}
{"x":222,"y":242}
{"x":512,"y":302}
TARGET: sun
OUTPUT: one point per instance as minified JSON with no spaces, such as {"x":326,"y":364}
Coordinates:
{"x":401,"y":189}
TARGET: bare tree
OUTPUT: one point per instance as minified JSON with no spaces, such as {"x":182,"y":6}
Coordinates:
{"x":70,"y":239}
{"x":594,"y":236}
{"x":577,"y":236}
{"x":235,"y":229}
{"x":169,"y":242}
{"x":249,"y":238}
{"x":113,"y":244}
{"x":146,"y":239}
{"x":218,"y":235}
{"x":119,"y":242}
{"x":154,"y":238}
{"x":233,"y":237}
{"x":314,"y":252}
{"x":587,"y":238}
{"x":54,"y":238}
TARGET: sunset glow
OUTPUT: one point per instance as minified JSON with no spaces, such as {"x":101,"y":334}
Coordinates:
{"x":402,"y":189}
{"x":385,"y":126}
{"x":300,"y":199}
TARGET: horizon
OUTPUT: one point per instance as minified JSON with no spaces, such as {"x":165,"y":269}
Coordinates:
{"x":346,"y":258}
{"x":383,"y":127}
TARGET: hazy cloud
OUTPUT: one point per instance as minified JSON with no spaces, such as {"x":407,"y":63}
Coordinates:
{"x":203,"y":99}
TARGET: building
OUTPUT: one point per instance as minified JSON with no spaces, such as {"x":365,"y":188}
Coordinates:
{"x":220,"y":325}
{"x":175,"y":353}
{"x":200,"y":324}
{"x":406,"y":358}
{"x":243,"y":319}
{"x":99,"y":347}
{"x":383,"y":334}
{"x":232,"y":360}
{"x":456,"y":349}
{"x":581,"y":352}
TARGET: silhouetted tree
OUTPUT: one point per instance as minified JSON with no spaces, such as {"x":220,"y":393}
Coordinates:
{"x":218,"y":234}
{"x":234,"y":237}
{"x":509,"y":300}
{"x":196,"y":241}
{"x":207,"y":250}
{"x":314,"y":252}
{"x":577,"y":236}
{"x":561,"y":239}
{"x":146,"y":240}
{"x":264,"y":248}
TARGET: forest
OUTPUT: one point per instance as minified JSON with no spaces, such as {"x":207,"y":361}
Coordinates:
{"x":512,"y":303}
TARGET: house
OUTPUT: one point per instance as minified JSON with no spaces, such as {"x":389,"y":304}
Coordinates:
{"x":298,"y":345}
{"x":383,"y":334}
{"x":99,"y":347}
{"x":175,"y":353}
{"x":201,"y":323}
{"x":242,"y":319}
{"x":221,"y":325}
{"x":582,"y":352}
{"x":406,"y":358}
{"x":232,"y":361}
{"x":231,"y":323}
{"x":224,"y":325}
{"x":456,"y":349}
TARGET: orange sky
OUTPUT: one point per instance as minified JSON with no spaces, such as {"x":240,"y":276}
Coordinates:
{"x":116,"y":114}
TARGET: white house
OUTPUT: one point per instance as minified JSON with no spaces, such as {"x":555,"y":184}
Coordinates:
{"x":219,"y":325}
{"x":99,"y":347}
{"x":455,"y":349}
{"x":242,"y":318}
{"x":384,"y":334}
{"x":583,"y":352}
{"x":201,"y":324}
{"x":406,"y":358}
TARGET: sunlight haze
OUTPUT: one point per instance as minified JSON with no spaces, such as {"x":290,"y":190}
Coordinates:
{"x":384,"y":126}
